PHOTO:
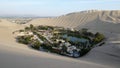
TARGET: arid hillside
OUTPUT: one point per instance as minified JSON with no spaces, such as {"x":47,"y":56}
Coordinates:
{"x":94,"y":20}
{"x":15,"y":55}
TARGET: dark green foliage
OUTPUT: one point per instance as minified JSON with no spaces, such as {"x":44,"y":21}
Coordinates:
{"x":41,"y":37}
{"x":88,"y":34}
{"x":55,"y":44}
{"x":21,"y":30}
{"x":58,"y":33}
{"x":47,"y":46}
{"x":31,"y":26}
{"x":45,"y":27}
{"x":84,"y":51}
{"x":27,"y":28}
{"x":36,"y":45}
{"x":24,"y":39}
{"x":98,"y":38}
{"x":56,"y":51}
{"x":50,"y":27}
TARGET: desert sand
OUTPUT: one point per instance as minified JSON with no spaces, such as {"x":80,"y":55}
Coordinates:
{"x":15,"y":55}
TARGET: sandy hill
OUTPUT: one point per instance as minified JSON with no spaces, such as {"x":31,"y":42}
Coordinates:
{"x":106,"y":22}
{"x":14,"y":55}
{"x":86,"y":19}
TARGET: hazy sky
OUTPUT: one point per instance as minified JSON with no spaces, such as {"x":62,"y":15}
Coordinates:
{"x":54,"y":7}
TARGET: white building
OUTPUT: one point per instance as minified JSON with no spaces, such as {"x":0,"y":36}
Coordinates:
{"x":24,"y":33}
{"x":73,"y":51}
{"x":60,"y":40}
{"x":71,"y":48}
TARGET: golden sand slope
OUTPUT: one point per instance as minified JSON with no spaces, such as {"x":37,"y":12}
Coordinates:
{"x":106,"y":22}
{"x":78,"y":20}
{"x":14,"y":55}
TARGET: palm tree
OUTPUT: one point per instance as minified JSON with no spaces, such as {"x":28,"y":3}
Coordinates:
{"x":31,"y":26}
{"x":27,"y":28}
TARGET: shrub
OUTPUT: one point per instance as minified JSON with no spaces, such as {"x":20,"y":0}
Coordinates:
{"x":47,"y":46}
{"x":84,"y":51}
{"x":24,"y":39}
{"x":31,"y":26}
{"x":27,"y":28}
{"x":21,"y":30}
{"x":98,"y":38}
{"x":36,"y":45}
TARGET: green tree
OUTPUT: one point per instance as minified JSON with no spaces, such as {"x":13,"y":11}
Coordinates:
{"x":98,"y":37}
{"x":31,"y":26}
{"x":27,"y":28}
{"x":21,"y":30}
{"x":24,"y":39}
{"x":36,"y":45}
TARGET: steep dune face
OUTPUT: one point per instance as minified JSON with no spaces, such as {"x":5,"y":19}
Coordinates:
{"x":106,"y":22}
{"x":70,"y":20}
{"x":14,"y":55}
{"x":110,"y":16}
{"x":92,"y":20}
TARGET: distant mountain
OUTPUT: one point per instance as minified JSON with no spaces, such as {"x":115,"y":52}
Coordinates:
{"x":24,"y":16}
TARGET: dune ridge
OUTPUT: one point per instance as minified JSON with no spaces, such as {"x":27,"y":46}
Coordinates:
{"x":89,"y":20}
{"x":15,"y":55}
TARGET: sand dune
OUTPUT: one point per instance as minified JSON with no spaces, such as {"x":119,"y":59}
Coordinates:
{"x":14,"y":55}
{"x":91,"y":20}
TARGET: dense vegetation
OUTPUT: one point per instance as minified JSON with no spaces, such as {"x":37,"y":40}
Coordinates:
{"x":98,"y":38}
{"x":24,"y":39}
{"x":84,"y":43}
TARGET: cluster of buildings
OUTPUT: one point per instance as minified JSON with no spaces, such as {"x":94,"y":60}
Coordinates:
{"x":68,"y":49}
{"x":64,"y":47}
